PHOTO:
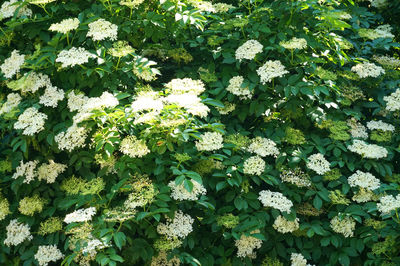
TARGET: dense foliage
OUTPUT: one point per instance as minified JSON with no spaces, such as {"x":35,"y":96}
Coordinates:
{"x":166,"y":132}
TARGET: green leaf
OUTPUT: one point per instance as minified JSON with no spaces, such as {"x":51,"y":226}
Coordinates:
{"x":120,"y":240}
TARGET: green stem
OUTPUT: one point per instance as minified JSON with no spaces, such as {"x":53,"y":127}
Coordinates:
{"x":68,"y":38}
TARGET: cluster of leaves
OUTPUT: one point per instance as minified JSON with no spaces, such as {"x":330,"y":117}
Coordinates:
{"x":304,"y":112}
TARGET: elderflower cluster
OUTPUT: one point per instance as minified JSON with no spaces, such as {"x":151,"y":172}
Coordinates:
{"x":393,"y":101}
{"x":17,"y":233}
{"x":247,"y":244}
{"x":76,"y":101}
{"x":275,"y":200}
{"x":285,"y":226}
{"x":65,"y":26}
{"x":379,"y":3}
{"x":271,"y":69}
{"x":344,"y":226}
{"x":263,"y":147}
{"x":357,"y":130}
{"x":185,"y":85}
{"x":383,"y":31}
{"x":366,"y":150}
{"x":133,"y":147}
{"x":81,"y":215}
{"x":179,"y":227}
{"x":210,"y":141}
{"x":388,"y":203}
{"x":363,"y":195}
{"x":4,"y":208}
{"x":294,"y":43}
{"x":74,"y":137}
{"x":131,"y":3}
{"x":318,"y":163}
{"x":297,"y":259}
{"x":364,"y":180}
{"x":387,"y":61}
{"x":12,"y":65}
{"x":50,"y":171}
{"x":147,"y":102}
{"x":366,"y":69}
{"x":31,"y":82}
{"x":102,"y":29}
{"x":26,"y":169}
{"x":296,"y":177}
{"x":192,"y":103}
{"x":254,"y":165}
{"x":8,"y":9}
{"x":51,"y":96}
{"x":237,"y":88}
{"x":46,"y":254}
{"x":74,"y":56}
{"x":31,"y":205}
{"x":380,"y":125}
{"x":13,"y":100}
{"x":248,"y":50}
{"x":162,"y":260}
{"x":179,"y":192}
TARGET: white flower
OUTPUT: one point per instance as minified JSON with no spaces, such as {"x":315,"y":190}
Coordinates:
{"x":133,"y":147}
{"x":380,"y":125}
{"x":102,"y":29}
{"x":81,"y":215}
{"x":285,"y":226}
{"x":379,"y":3}
{"x":294,"y":43}
{"x":298,"y":260}
{"x":344,"y":226}
{"x":73,"y":138}
{"x":236,"y":88}
{"x":387,"y":61}
{"x":210,"y":141}
{"x":254,"y":165}
{"x":13,"y":100}
{"x":190,"y":102}
{"x":179,"y":192}
{"x":388,"y":203}
{"x":46,"y":254}
{"x":296,"y":177}
{"x":17,"y":233}
{"x":65,"y":26}
{"x":368,"y":150}
{"x":357,"y":130}
{"x":248,"y":50}
{"x":271,"y":69}
{"x":363,"y":195}
{"x":93,"y":245}
{"x":12,"y":65}
{"x":364,"y":180}
{"x":366,"y":69}
{"x":51,"y":96}
{"x":318,"y":163}
{"x":32,"y":82}
{"x":26,"y":169}
{"x":263,"y":147}
{"x":179,"y":227}
{"x":8,"y":9}
{"x":393,"y":101}
{"x":147,"y":103}
{"x":50,"y":171}
{"x":74,"y":56}
{"x":247,"y":244}
{"x":76,"y":101}
{"x":186,"y":85}
{"x":275,"y":200}
{"x":31,"y":121}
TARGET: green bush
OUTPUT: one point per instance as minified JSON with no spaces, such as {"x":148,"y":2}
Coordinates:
{"x":188,"y":132}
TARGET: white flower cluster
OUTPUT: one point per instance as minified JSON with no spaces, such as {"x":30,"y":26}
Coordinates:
{"x":236,"y":88}
{"x":81,"y":215}
{"x":13,"y":100}
{"x":379,"y":3}
{"x":74,"y":56}
{"x":248,"y":50}
{"x":296,"y":177}
{"x":189,"y":101}
{"x":65,"y":26}
{"x":74,"y":137}
{"x":366,"y":69}
{"x":106,"y":100}
{"x":92,"y":245}
{"x":363,"y":195}
{"x":179,"y":192}
{"x":357,"y":130}
{"x":50,"y":171}
{"x":285,"y":226}
{"x":12,"y":65}
{"x":387,"y":61}
{"x":147,"y":102}
{"x":46,"y":254}
{"x":26,"y":169}
{"x":318,"y":163}
{"x":179,"y":227}
{"x":344,"y":226}
{"x":393,"y":101}
{"x":388,"y":203}
{"x":380,"y":125}
{"x":297,"y":259}
{"x":254,"y":165}
{"x":271,"y":69}
{"x":131,"y":3}
{"x":32,"y":82}
{"x":263,"y":147}
{"x":51,"y":96}
{"x":294,"y":43}
{"x":133,"y":147}
{"x":247,"y":244}
{"x":366,"y":150}
{"x":31,"y":121}
{"x":102,"y":29}
{"x":275,"y":200}
{"x":210,"y":141}
{"x":17,"y":233}
{"x":8,"y":9}
{"x":76,"y":101}
{"x":364,"y":180}
{"x":186,"y":85}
